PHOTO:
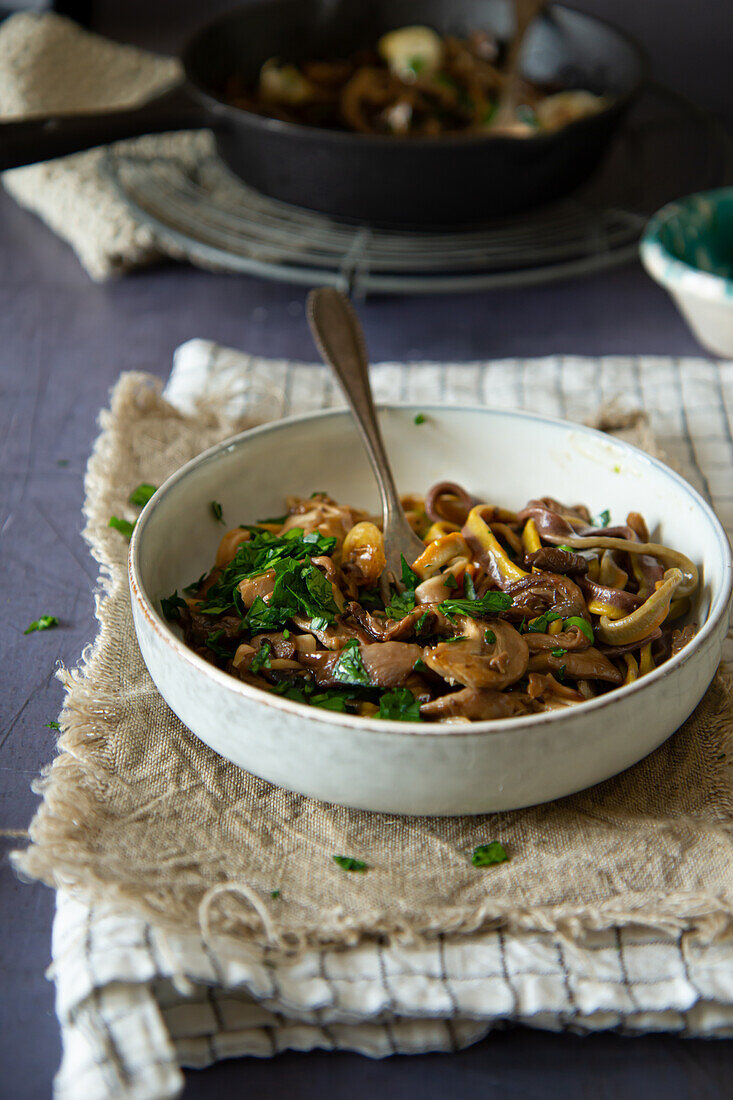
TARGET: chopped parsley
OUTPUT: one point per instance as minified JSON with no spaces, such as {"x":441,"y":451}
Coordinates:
{"x":328,"y":700}
{"x":171,"y":605}
{"x":558,"y":652}
{"x":300,"y":587}
{"x":489,"y":604}
{"x":274,"y":894}
{"x":306,"y":692}
{"x":421,"y":622}
{"x":349,"y":669}
{"x":348,"y":863}
{"x":400,"y":604}
{"x":399,"y":705}
{"x":195,"y":585}
{"x":122,"y":525}
{"x":487,"y":854}
{"x":416,"y":65}
{"x":602,"y":519}
{"x":419,"y":665}
{"x":53,"y":726}
{"x":217,"y":512}
{"x":45,"y":622}
{"x":450,"y":581}
{"x":262,"y":657}
{"x":142,"y":494}
{"x":582,"y":624}
{"x":214,"y":643}
{"x":489,"y":637}
{"x":561,"y":673}
{"x":564,"y":546}
{"x":469,"y":586}
{"x":419,"y":418}
{"x":410,"y":578}
{"x":274,"y":520}
{"x":541,"y":623}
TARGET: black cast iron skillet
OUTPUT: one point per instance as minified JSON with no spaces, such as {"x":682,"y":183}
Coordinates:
{"x":372,"y":179}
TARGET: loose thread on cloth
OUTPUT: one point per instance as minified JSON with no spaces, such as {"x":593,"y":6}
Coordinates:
{"x":139,"y":813}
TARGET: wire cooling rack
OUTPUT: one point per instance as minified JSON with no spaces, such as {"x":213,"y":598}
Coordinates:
{"x":666,"y":148}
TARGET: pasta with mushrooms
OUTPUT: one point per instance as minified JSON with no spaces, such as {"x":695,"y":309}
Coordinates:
{"x":415,"y":83}
{"x":503,"y":613}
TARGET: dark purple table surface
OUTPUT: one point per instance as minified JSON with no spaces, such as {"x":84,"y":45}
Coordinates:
{"x":63,"y":342}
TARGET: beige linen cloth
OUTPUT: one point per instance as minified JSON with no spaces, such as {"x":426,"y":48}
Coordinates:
{"x":614,"y":911}
{"x":49,"y":64}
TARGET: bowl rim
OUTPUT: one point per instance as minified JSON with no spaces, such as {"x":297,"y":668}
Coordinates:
{"x":673,"y":272}
{"x":357,"y":723}
{"x":220,"y":106}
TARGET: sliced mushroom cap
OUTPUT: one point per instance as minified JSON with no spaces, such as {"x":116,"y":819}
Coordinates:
{"x":545,"y":687}
{"x":388,"y":664}
{"x":475,"y":704}
{"x":588,"y":665}
{"x":260,"y":587}
{"x":572,"y":640}
{"x":479,"y":663}
{"x":334,"y":636}
{"x":554,"y":560}
{"x":540,"y":592}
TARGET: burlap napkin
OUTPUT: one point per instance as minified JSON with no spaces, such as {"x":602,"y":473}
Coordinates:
{"x":49,"y":64}
{"x":137,"y":811}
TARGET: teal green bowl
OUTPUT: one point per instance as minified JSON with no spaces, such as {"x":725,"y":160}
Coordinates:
{"x":688,"y":248}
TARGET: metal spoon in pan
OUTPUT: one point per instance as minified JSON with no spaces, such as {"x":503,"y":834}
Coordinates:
{"x":340,"y":340}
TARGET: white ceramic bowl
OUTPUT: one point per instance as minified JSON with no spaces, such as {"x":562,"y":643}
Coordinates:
{"x":505,"y":457}
{"x":688,"y":248}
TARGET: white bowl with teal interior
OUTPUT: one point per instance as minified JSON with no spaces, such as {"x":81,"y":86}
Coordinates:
{"x":688,"y":247}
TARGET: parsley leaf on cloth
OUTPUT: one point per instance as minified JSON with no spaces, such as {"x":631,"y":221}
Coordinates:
{"x":122,"y":525}
{"x":142,"y":494}
{"x":487,"y":854}
{"x":45,"y":622}
{"x":348,"y":863}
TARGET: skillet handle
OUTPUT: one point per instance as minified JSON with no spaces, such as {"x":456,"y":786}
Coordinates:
{"x":49,"y":136}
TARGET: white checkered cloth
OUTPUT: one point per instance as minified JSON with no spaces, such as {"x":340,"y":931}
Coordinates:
{"x":135,"y":1004}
